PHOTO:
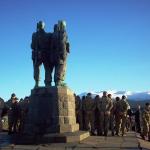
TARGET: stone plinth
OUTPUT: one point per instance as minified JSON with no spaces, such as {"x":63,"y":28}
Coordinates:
{"x":51,"y":110}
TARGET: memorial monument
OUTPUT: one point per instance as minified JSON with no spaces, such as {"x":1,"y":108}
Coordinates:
{"x":52,"y":108}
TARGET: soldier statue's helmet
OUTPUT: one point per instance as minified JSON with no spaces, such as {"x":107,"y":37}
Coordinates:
{"x":40,"y":25}
{"x":62,"y":24}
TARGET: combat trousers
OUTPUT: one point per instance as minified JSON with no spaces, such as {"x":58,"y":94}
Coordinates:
{"x":146,"y":129}
{"x":112,"y":122}
{"x":89,"y":121}
{"x":117,"y":123}
{"x":103,"y":124}
{"x":120,"y":123}
{"x":60,"y":70}
{"x":138,"y":126}
{"x":79,"y":119}
{"x":12,"y":123}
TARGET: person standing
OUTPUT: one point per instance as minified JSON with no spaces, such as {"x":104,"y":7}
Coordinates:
{"x":105,"y":106}
{"x":15,"y":115}
{"x":138,"y":119}
{"x":112,"y":117}
{"x":124,"y":106}
{"x":97,"y":114}
{"x":1,"y":111}
{"x":89,"y":113}
{"x":79,"y":111}
{"x":146,"y":122}
{"x":116,"y":108}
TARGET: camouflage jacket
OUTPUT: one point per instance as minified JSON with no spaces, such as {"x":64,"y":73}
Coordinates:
{"x":78,"y":104}
{"x":116,"y":107}
{"x":146,"y":116}
{"x":88,"y":104}
{"x":123,"y":106}
{"x":105,"y":104}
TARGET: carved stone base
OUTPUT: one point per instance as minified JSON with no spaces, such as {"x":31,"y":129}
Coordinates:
{"x":51,"y":110}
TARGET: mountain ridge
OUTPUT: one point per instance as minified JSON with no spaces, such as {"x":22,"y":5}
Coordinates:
{"x":135,"y":96}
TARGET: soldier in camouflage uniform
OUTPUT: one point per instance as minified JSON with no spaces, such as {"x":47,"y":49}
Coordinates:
{"x":116,"y":111}
{"x":15,"y":116}
{"x":40,"y":47}
{"x":8,"y":105}
{"x":89,"y":115}
{"x":1,"y":110}
{"x":79,"y":112}
{"x":83,"y":113}
{"x":60,"y":46}
{"x":123,"y":108}
{"x":112,"y":117}
{"x":97,"y":113}
{"x":146,"y":122}
{"x":105,"y":105}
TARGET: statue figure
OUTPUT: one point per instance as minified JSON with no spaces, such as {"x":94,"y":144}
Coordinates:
{"x":40,"y":45}
{"x":50,"y":49}
{"x":60,"y":49}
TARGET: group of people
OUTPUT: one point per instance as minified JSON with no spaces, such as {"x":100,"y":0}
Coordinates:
{"x":97,"y":115}
{"x":16,"y":110}
{"x":101,"y":114}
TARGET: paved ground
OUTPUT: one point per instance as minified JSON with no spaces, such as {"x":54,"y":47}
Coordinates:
{"x":144,"y":144}
{"x":130,"y":142}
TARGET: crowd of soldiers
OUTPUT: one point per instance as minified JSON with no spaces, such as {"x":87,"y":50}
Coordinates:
{"x":16,"y":110}
{"x":98,"y":115}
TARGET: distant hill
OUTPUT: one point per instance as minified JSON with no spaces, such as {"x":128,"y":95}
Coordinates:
{"x":136,"y":96}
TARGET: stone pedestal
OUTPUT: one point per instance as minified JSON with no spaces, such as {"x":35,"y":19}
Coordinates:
{"x":52,"y":112}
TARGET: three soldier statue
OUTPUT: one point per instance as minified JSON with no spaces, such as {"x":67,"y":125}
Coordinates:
{"x":50,"y":49}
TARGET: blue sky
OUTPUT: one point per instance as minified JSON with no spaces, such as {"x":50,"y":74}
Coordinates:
{"x":110,"y":43}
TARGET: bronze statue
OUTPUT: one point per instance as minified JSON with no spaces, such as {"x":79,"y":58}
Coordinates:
{"x":50,"y":49}
{"x":60,"y":49}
